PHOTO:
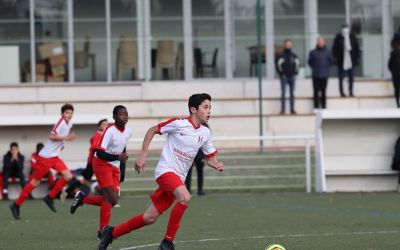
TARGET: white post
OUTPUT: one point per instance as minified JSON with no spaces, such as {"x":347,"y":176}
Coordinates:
{"x":188,"y":39}
{"x":71,"y":47}
{"x":140,"y":38}
{"x":147,"y":40}
{"x":108,"y":41}
{"x":269,"y":39}
{"x":33,"y":39}
{"x":311,"y":24}
{"x":348,"y":12}
{"x":228,"y":39}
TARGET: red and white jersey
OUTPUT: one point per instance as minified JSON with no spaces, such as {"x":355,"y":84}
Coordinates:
{"x":94,"y":142}
{"x":183,"y":142}
{"x":114,"y":141}
{"x":53,"y":148}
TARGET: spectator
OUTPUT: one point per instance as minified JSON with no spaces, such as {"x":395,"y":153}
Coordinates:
{"x":287,"y":65}
{"x":346,"y":52}
{"x":35,"y":166}
{"x":394,"y":67}
{"x":396,"y":38}
{"x":320,"y":60}
{"x":13,"y":166}
{"x":199,"y":163}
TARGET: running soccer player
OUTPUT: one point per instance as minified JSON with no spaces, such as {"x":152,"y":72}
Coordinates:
{"x":48,"y":158}
{"x":87,"y":173}
{"x":185,"y":138}
{"x":109,"y":157}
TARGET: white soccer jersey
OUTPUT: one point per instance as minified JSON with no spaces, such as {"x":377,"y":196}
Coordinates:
{"x":183,"y":142}
{"x":114,"y":141}
{"x":53,"y":148}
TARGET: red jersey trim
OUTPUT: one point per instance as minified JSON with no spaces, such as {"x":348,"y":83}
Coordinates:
{"x":191,"y":122}
{"x":102,"y":137}
{"x":212,"y":154}
{"x":162,"y":124}
{"x":56,"y":126}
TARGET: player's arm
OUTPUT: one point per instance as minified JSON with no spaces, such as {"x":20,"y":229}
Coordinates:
{"x":141,"y":162}
{"x":57,"y":137}
{"x":214,"y":163}
{"x":122,"y":167}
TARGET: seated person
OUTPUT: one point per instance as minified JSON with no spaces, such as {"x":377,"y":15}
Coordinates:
{"x":34,"y":165}
{"x":13,"y":166}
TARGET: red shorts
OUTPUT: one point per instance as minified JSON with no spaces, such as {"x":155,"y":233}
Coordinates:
{"x":45,"y":164}
{"x":106,"y":174}
{"x":163,"y":197}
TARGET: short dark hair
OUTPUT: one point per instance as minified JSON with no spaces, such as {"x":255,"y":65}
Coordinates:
{"x":39,"y":146}
{"x":117,"y":108}
{"x":196,"y":99}
{"x":101,"y":121}
{"x":287,"y":40}
{"x":13,"y":144}
{"x":66,"y":107}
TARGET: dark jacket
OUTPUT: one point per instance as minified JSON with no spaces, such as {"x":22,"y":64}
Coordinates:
{"x":338,"y":50}
{"x":394,"y":64}
{"x":396,"y":39}
{"x":320,"y":60}
{"x":287,"y":63}
{"x":8,"y":163}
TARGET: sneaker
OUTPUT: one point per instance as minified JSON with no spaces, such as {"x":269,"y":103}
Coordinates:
{"x":78,"y":201}
{"x":99,"y":235}
{"x":201,"y":193}
{"x":50,"y":203}
{"x":15,"y":210}
{"x":117,"y":206}
{"x":106,"y":238}
{"x":166,"y":245}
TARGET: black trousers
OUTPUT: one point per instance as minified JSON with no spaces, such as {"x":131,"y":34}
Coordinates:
{"x":199,"y":163}
{"x":13,"y":171}
{"x":396,"y":85}
{"x":319,"y":86}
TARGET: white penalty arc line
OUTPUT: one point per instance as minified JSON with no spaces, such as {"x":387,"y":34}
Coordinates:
{"x":266,"y":236}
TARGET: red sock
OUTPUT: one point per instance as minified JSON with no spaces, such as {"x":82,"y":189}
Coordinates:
{"x":105,"y":214}
{"x":93,"y":200}
{"x":134,"y":223}
{"x":24,"y":194}
{"x":174,"y":219}
{"x":57,"y":188}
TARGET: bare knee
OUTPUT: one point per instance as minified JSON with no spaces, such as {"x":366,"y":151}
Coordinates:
{"x":184,"y":198}
{"x":150,"y":218}
{"x":35,"y":182}
{"x":67,"y":175}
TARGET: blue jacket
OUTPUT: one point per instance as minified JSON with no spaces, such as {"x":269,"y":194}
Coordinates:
{"x":320,"y":61}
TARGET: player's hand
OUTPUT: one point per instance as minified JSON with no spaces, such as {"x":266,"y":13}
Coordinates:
{"x":123,"y":157}
{"x":140,"y":164}
{"x":71,"y":136}
{"x":219,"y":166}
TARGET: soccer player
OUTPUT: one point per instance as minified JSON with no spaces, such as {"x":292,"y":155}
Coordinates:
{"x":36,"y":167}
{"x":185,"y":138}
{"x":87,"y":173}
{"x":48,"y":158}
{"x":109,"y":157}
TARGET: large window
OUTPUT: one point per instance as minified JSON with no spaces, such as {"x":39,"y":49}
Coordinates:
{"x":15,"y":31}
{"x":395,"y":6}
{"x":90,"y":40}
{"x":289,"y":23}
{"x":245,"y":23}
{"x":167,"y":34}
{"x":208,"y":38}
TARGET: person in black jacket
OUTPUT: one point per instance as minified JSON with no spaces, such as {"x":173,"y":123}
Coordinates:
{"x":287,"y":65}
{"x":395,"y":38}
{"x":346,"y":52}
{"x":199,"y":163}
{"x":320,"y":61}
{"x":394,"y":67}
{"x":13,"y":166}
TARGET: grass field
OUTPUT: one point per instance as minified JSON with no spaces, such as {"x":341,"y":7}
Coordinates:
{"x":222,"y":221}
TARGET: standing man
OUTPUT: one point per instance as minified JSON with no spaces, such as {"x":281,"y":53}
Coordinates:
{"x":48,"y":158}
{"x":13,"y":166}
{"x":346,"y":52}
{"x":320,"y":61}
{"x":394,"y":67}
{"x":109,"y":167}
{"x":185,"y":138}
{"x":287,"y":65}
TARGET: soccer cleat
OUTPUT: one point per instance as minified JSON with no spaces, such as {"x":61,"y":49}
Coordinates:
{"x":15,"y":210}
{"x":99,"y":235}
{"x":50,"y":203}
{"x":78,"y":201}
{"x":166,"y":245}
{"x":106,"y":238}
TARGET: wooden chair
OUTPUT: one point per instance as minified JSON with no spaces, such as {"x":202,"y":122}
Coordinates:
{"x":165,"y":58}
{"x":127,"y":56}
{"x":81,"y":58}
